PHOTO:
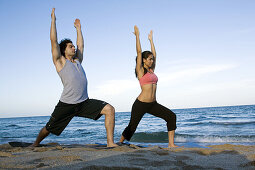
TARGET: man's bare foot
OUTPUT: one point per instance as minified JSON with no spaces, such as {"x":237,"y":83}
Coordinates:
{"x":112,"y":145}
{"x":172,"y":146}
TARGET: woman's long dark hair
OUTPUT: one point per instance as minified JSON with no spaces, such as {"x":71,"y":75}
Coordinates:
{"x":145,"y":55}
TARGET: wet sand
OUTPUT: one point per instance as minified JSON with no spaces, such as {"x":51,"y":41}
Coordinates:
{"x":93,"y":156}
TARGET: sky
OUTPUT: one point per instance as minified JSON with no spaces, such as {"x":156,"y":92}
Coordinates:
{"x":205,"y":52}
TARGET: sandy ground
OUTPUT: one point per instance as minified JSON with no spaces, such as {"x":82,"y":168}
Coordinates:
{"x":125,"y":157}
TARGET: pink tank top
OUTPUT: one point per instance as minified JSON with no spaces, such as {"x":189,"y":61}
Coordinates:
{"x":148,"y":78}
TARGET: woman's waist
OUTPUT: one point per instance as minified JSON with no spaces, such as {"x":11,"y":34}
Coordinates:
{"x":147,"y":97}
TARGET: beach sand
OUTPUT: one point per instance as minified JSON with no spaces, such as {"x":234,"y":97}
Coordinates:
{"x":93,"y":156}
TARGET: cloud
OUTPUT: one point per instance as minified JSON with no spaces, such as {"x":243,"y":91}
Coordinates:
{"x":120,"y":93}
{"x":193,"y":73}
{"x":116,"y":87}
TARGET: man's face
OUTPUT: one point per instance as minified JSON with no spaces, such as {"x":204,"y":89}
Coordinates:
{"x":70,"y":50}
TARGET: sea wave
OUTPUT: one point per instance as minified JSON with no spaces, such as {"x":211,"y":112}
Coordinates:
{"x":233,"y":122}
{"x":13,"y":126}
{"x":220,"y":123}
{"x":162,"y":137}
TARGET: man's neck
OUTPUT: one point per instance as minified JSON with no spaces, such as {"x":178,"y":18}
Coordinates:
{"x":70,"y":58}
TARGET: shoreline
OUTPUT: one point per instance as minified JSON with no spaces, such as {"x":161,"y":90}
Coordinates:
{"x":96,"y":156}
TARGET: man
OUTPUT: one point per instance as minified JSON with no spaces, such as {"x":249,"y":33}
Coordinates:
{"x":74,"y":100}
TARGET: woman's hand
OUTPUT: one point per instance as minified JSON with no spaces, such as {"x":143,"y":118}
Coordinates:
{"x":136,"y":31}
{"x":150,"y":36}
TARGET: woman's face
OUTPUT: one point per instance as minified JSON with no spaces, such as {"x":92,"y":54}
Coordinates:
{"x":148,"y":61}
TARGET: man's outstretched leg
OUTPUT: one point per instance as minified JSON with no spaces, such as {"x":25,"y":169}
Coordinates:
{"x":43,"y":134}
{"x":109,"y":113}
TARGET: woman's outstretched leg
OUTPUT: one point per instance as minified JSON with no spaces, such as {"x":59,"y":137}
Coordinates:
{"x":131,"y":128}
{"x":138,"y":110}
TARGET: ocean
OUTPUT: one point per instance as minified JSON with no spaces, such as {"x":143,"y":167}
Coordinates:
{"x":195,"y":127}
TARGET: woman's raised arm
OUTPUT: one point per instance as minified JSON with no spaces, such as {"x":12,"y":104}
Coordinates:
{"x":139,"y":52}
{"x":152,"y":49}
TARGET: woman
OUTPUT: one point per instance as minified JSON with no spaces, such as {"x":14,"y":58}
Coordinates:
{"x":146,"y":101}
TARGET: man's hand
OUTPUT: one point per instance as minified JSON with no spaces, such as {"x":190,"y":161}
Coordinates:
{"x":136,"y":32}
{"x":150,"y":36}
{"x":53,"y":17}
{"x":77,"y":24}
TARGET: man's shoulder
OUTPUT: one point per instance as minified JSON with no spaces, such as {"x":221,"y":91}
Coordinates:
{"x":77,"y":60}
{"x":60,"y":63}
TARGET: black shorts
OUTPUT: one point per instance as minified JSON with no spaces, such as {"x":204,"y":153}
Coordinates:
{"x":63,"y":113}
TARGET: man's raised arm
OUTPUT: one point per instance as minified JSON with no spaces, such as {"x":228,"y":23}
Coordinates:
{"x":55,"y":50}
{"x":80,"y":41}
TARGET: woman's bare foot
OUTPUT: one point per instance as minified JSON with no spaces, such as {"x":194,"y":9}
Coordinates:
{"x":33,"y":145}
{"x":122,"y":139}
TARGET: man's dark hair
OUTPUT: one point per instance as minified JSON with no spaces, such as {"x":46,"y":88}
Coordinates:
{"x":63,"y":43}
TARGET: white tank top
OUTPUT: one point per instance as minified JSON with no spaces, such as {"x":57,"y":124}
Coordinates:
{"x":75,"y":83}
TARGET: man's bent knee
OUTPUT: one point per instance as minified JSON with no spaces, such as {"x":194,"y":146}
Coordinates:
{"x":108,"y":110}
